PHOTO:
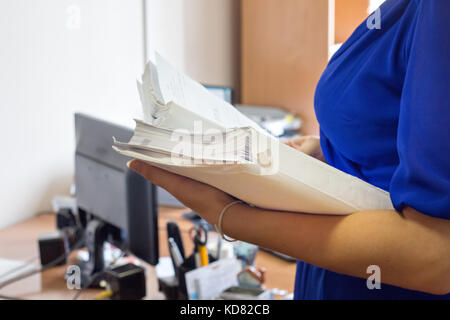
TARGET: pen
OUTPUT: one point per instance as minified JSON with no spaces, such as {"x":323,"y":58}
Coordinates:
{"x":173,"y":231}
{"x":203,"y":252}
{"x":201,"y":245}
{"x":200,"y":251}
{"x":176,"y":254}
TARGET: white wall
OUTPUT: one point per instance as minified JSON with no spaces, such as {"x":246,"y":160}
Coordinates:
{"x":62,"y":56}
{"x":57,"y":57}
{"x":199,"y":37}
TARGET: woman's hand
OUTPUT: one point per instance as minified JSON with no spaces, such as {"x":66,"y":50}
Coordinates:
{"x":309,"y":145}
{"x":205,"y":200}
{"x":412,"y":249}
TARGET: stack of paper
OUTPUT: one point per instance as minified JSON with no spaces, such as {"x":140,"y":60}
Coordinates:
{"x":189,"y":131}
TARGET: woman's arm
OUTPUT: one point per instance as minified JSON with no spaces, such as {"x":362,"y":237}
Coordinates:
{"x":412,"y":250}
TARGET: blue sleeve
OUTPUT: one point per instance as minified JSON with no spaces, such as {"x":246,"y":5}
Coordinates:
{"x":422,"y":179}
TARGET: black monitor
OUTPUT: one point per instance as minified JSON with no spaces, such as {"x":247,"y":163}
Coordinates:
{"x":115,"y":203}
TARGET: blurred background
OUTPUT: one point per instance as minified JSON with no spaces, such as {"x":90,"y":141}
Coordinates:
{"x":58,"y":57}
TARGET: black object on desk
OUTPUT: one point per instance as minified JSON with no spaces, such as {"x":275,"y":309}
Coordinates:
{"x":173,"y":231}
{"x":53,"y":246}
{"x":175,"y":287}
{"x":65,"y":218}
{"x":127,"y":282}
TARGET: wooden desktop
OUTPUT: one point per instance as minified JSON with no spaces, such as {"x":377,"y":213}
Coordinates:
{"x":19,"y":242}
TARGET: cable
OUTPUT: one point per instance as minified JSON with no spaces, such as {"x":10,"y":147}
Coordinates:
{"x":43,"y":268}
{"x":88,"y":284}
{"x":99,"y":273}
{"x":104,"y":294}
{"x":14,"y":270}
{"x":52,"y":264}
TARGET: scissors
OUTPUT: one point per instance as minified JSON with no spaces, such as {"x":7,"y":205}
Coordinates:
{"x":199,"y":236}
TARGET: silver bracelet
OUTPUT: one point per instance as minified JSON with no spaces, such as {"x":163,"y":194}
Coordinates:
{"x":218,"y":226}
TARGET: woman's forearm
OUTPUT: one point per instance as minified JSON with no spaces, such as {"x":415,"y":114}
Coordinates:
{"x":412,"y":250}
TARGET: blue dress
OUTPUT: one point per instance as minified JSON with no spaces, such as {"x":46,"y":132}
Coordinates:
{"x":384,"y":113}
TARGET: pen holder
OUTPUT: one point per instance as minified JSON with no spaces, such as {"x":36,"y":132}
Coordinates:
{"x":182,"y":290}
{"x":174,"y":288}
{"x":188,"y":265}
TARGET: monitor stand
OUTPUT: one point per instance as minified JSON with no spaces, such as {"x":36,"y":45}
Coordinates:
{"x":91,"y":269}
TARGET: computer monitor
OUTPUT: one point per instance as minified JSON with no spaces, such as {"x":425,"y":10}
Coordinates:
{"x":224,"y":93}
{"x":116,"y":204}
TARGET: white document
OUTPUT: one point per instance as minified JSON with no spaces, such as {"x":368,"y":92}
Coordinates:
{"x":269,"y":175}
{"x":183,"y":91}
{"x":209,"y":282}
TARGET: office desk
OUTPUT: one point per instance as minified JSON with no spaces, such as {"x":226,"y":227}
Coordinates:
{"x":20,"y":242}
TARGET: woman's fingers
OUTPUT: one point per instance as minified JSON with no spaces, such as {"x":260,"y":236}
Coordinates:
{"x":202,"y":198}
{"x":307,"y":144}
{"x":296,"y":143}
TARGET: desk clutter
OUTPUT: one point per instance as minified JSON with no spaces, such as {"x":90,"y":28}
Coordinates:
{"x":230,"y":275}
{"x":113,"y":216}
{"x":213,"y":270}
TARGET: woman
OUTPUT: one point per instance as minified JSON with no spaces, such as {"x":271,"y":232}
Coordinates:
{"x":384,"y":113}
